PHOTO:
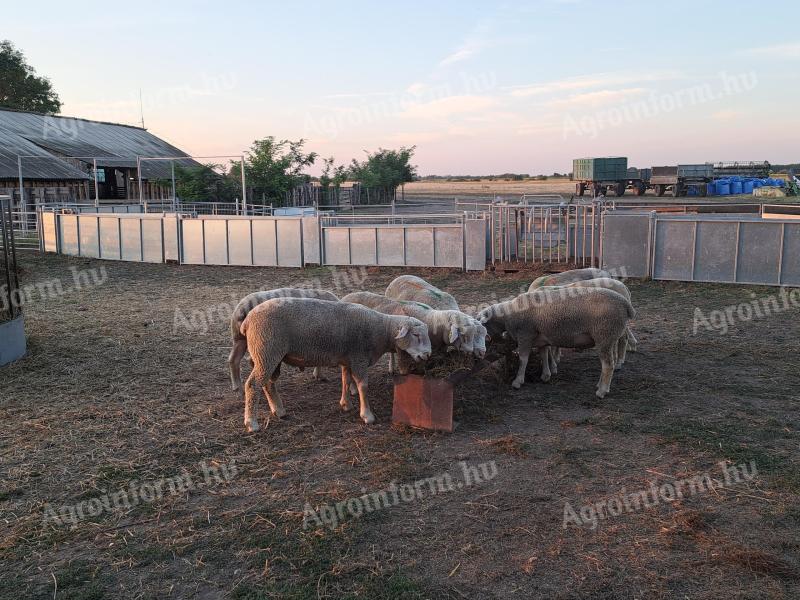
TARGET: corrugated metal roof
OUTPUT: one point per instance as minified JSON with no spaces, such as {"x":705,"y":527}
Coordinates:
{"x":45,"y":137}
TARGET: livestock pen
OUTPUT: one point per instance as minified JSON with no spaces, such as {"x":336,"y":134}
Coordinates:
{"x":132,"y":397}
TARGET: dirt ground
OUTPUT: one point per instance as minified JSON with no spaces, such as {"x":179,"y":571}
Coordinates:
{"x":125,"y":387}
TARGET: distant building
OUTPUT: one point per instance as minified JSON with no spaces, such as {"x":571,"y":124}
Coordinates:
{"x":57,"y":157}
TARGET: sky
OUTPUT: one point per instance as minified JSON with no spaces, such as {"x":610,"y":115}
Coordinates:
{"x":477,"y":87}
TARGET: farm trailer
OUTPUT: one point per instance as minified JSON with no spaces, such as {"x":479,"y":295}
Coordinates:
{"x":679,"y":178}
{"x":607,"y":175}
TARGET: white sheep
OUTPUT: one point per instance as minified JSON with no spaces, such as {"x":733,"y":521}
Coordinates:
{"x":413,"y":288}
{"x":550,"y":361}
{"x":309,"y":333}
{"x":445,"y":327}
{"x":590,"y":317}
{"x":241,"y":311}
{"x":568,"y":277}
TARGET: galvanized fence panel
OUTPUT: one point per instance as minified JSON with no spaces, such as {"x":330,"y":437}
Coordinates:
{"x":726,"y":249}
{"x":394,"y":245}
{"x":243,"y":241}
{"x":128,"y":237}
{"x":625,"y":243}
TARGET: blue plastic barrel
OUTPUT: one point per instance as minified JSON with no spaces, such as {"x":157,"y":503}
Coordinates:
{"x":711,"y":189}
{"x":723,"y":189}
{"x":736,"y":187}
{"x":757,"y":183}
{"x":747,"y":187}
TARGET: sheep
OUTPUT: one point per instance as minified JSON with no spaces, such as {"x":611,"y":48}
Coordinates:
{"x":305,"y":332}
{"x":591,"y":317}
{"x":614,"y":285}
{"x":551,"y":364}
{"x":241,"y":311}
{"x":568,"y":277}
{"x":411,"y":287}
{"x":445,"y":327}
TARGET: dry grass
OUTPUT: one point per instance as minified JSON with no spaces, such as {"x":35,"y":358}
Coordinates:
{"x":113,"y":393}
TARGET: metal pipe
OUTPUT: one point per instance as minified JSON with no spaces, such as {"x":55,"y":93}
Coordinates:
{"x":244,"y":189}
{"x":96,"y":190}
{"x":174,"y":192}
{"x":139,"y":175}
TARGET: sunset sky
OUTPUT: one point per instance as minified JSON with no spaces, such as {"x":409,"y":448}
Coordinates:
{"x":478,"y":87}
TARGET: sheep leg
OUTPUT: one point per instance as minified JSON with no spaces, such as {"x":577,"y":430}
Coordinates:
{"x":391,"y":362}
{"x":251,"y":403}
{"x":317,"y":374}
{"x":632,"y":341}
{"x":551,"y":357}
{"x":234,"y":363}
{"x":345,"y":400}
{"x":524,"y":351}
{"x":274,"y":399}
{"x":257,"y":376}
{"x":544,"y":357}
{"x":622,"y":346}
{"x":607,"y":360}
{"x":360,"y":374}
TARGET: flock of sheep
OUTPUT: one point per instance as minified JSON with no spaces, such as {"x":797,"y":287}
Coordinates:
{"x":579,"y":309}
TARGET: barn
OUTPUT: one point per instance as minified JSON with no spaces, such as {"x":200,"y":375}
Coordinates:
{"x":53,"y":159}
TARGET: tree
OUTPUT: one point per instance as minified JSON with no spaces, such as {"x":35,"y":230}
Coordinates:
{"x":274,"y":168}
{"x":332,"y":175}
{"x":385,"y":170}
{"x":20,"y":87}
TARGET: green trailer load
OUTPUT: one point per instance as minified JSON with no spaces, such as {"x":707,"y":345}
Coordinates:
{"x":609,"y":168}
{"x":607,"y":175}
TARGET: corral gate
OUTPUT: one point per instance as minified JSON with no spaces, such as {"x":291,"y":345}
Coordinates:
{"x":545,"y":232}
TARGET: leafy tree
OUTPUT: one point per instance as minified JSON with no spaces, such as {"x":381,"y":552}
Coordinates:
{"x":20,"y":87}
{"x":274,"y":168}
{"x":385,"y":170}
{"x":332,"y":175}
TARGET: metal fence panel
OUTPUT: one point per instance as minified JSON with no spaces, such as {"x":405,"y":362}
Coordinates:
{"x":674,"y":250}
{"x":265,"y":245}
{"x":152,"y":240}
{"x":131,"y":239}
{"x":715,"y":254}
{"x":192,"y":242}
{"x":240,"y":249}
{"x":420,"y":249}
{"x":109,"y":238}
{"x":363,"y":245}
{"x":759,"y":253}
{"x":215,"y":239}
{"x":391,"y":246}
{"x":311,"y":240}
{"x":290,"y":242}
{"x":626,"y":243}
{"x":90,"y":236}
{"x":475,"y":244}
{"x":48,"y":233}
{"x":337,"y":248}
{"x":790,"y":255}
{"x":448,"y":246}
{"x":68,"y":233}
{"x":264,"y":241}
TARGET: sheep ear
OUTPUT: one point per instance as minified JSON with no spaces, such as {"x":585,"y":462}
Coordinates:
{"x":453,"y":333}
{"x":402,"y":333}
